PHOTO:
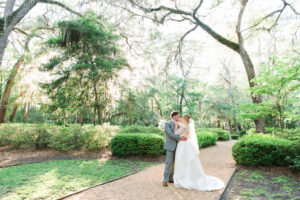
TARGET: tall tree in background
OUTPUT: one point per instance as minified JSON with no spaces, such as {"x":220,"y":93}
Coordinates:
{"x":162,"y":13}
{"x":89,"y":60}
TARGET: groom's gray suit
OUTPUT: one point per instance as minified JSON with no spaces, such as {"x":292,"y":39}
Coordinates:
{"x":170,"y":147}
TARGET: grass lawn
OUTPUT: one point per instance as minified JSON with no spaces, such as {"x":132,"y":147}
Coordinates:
{"x":258,"y":184}
{"x":53,"y":179}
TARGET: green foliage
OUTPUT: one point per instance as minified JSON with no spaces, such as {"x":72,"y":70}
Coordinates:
{"x":6,"y":132}
{"x":141,"y":129}
{"x":97,"y":138}
{"x":24,"y":138}
{"x":294,"y":158}
{"x":254,"y":150}
{"x":206,"y":139}
{"x":222,"y":134}
{"x":89,"y":61}
{"x":43,"y":136}
{"x":243,"y":132}
{"x":277,"y":81}
{"x":1,"y":24}
{"x":133,"y":109}
{"x":235,"y":136}
{"x":68,"y":138}
{"x":289,"y":134}
{"x":252,"y":131}
{"x":128,"y":144}
{"x":37,"y":136}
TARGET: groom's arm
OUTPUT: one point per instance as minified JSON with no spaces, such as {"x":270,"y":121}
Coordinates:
{"x":170,"y":133}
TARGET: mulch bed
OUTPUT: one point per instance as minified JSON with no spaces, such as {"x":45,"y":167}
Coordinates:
{"x":263,"y":183}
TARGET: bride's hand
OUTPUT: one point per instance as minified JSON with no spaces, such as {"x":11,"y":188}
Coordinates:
{"x":183,"y":138}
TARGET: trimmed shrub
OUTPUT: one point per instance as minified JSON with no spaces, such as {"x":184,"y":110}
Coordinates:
{"x":123,"y":145}
{"x":222,"y":134}
{"x":243,"y":132}
{"x":262,"y":150}
{"x":44,"y":136}
{"x":141,"y":129}
{"x":294,"y":157}
{"x":206,"y":139}
{"x":290,"y":134}
{"x":96,"y":138}
{"x":67,"y":139}
{"x":39,"y":136}
{"x":24,"y":138}
{"x":252,"y":131}
{"x":6,"y":132}
{"x":235,"y":136}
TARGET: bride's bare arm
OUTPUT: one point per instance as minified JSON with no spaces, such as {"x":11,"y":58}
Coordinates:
{"x":180,"y":131}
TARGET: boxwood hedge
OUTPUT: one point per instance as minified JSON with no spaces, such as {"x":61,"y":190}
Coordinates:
{"x":264,"y":150}
{"x":129,"y":144}
{"x":206,"y":139}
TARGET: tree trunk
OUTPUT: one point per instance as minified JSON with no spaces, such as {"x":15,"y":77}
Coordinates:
{"x":97,"y":106}
{"x":280,"y":117}
{"x":94,"y":116}
{"x":257,"y":99}
{"x":236,"y":125}
{"x":9,"y":84}
{"x":13,"y":114}
{"x":130,"y":112}
{"x":25,"y":113}
{"x":158,"y":107}
{"x":181,"y":99}
{"x":27,"y":108}
{"x":82,"y":118}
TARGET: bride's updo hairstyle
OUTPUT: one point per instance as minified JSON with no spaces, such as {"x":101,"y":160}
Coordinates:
{"x":187,"y":117}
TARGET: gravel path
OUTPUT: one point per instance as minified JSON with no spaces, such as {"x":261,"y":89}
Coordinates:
{"x":217,"y":161}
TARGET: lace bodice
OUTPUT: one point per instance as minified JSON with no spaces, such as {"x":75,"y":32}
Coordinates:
{"x":182,"y":131}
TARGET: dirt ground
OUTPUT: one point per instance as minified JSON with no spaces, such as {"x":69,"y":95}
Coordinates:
{"x":216,"y":161}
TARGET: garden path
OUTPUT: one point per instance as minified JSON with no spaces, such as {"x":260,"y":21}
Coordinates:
{"x":147,"y":184}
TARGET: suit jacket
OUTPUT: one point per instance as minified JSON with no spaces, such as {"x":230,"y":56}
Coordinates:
{"x":171,"y":137}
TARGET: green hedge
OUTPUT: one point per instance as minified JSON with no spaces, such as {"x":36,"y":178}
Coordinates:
{"x":235,"y":136}
{"x":290,"y":134}
{"x":264,"y":150}
{"x":128,"y":144}
{"x":39,"y":136}
{"x":222,"y":134}
{"x":206,"y":139}
{"x":141,"y":129}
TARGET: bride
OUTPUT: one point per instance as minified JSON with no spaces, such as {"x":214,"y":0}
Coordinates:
{"x":188,"y":172}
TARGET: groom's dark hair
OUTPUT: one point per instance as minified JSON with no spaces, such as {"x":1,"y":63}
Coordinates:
{"x":174,"y":113}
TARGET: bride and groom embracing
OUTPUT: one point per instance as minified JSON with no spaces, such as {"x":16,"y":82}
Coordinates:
{"x":183,"y":167}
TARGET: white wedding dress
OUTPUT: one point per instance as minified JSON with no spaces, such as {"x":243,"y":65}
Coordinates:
{"x":188,"y":171}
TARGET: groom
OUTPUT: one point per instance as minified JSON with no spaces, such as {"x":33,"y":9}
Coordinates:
{"x":170,"y":146}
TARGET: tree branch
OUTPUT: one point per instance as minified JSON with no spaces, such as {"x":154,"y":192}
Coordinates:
{"x":232,"y":45}
{"x":182,"y":38}
{"x":61,"y":5}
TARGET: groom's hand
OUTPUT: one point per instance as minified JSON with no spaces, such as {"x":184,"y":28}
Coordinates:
{"x":183,"y":138}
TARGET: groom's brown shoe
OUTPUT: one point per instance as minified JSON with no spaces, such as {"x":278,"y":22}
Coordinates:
{"x":165,"y":184}
{"x":171,"y":181}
